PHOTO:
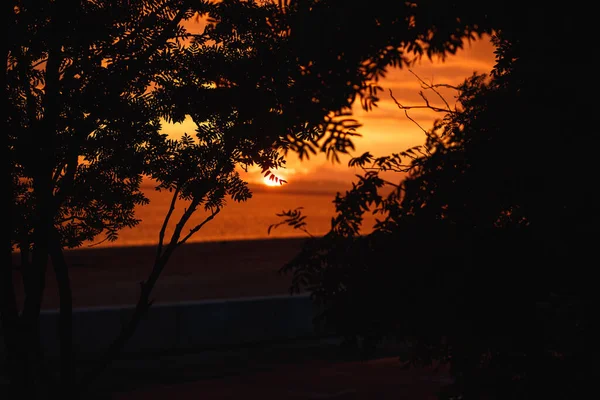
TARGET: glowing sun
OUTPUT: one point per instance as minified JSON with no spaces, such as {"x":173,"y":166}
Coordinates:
{"x":271,"y":182}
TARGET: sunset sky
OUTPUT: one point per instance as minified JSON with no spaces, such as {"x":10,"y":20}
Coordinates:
{"x":385,"y":129}
{"x":312,"y":184}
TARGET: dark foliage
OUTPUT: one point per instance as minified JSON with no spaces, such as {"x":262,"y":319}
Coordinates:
{"x":481,"y":256}
{"x":88,"y":85}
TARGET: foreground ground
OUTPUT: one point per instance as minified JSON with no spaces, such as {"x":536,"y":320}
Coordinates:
{"x":299,"y":372}
{"x":219,"y":270}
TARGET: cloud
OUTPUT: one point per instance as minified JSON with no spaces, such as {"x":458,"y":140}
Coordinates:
{"x":386,"y":128}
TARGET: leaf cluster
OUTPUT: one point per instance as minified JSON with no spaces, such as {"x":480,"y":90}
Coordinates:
{"x":460,"y":266}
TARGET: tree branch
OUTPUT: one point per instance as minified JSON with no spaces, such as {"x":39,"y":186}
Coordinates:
{"x":433,"y":88}
{"x":200,"y":225}
{"x":65,"y":318}
{"x":161,"y":235}
{"x":400,"y":106}
{"x":9,"y":313}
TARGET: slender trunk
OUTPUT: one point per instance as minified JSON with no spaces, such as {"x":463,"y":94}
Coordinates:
{"x":9,"y":317}
{"x":34,"y":281}
{"x":144,"y":303}
{"x":9,"y":313}
{"x":65,"y":318}
{"x":44,"y":134}
{"x":141,"y":309}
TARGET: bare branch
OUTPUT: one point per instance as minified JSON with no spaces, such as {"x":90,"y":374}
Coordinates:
{"x":199,"y":226}
{"x":400,"y":106}
{"x":187,"y":214}
{"x":161,"y":235}
{"x":432,"y":87}
{"x":400,"y":169}
{"x":98,"y":243}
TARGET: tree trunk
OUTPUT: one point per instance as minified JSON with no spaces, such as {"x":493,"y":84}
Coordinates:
{"x":41,"y":170}
{"x":65,"y":318}
{"x":9,"y":313}
{"x":34,"y":279}
{"x":141,"y":309}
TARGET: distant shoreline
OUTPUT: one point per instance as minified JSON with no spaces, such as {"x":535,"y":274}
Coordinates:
{"x":102,"y":276}
{"x":208,"y":243}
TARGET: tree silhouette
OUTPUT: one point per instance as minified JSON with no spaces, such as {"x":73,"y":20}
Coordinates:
{"x":478,"y":258}
{"x":87,"y":85}
{"x":78,"y":115}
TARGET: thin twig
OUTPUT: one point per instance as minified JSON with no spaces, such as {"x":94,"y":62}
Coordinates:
{"x":199,"y":226}
{"x":98,"y":243}
{"x":400,"y":106}
{"x":161,"y":235}
{"x":400,"y":169}
{"x":432,"y":87}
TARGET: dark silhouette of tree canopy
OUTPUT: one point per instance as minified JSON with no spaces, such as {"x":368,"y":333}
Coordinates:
{"x":87,"y":85}
{"x":481,"y":257}
{"x":82,"y":124}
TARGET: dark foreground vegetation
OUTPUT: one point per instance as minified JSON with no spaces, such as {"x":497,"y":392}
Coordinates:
{"x":483,"y":256}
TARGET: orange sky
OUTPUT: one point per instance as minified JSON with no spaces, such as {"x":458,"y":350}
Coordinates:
{"x":385,"y":129}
